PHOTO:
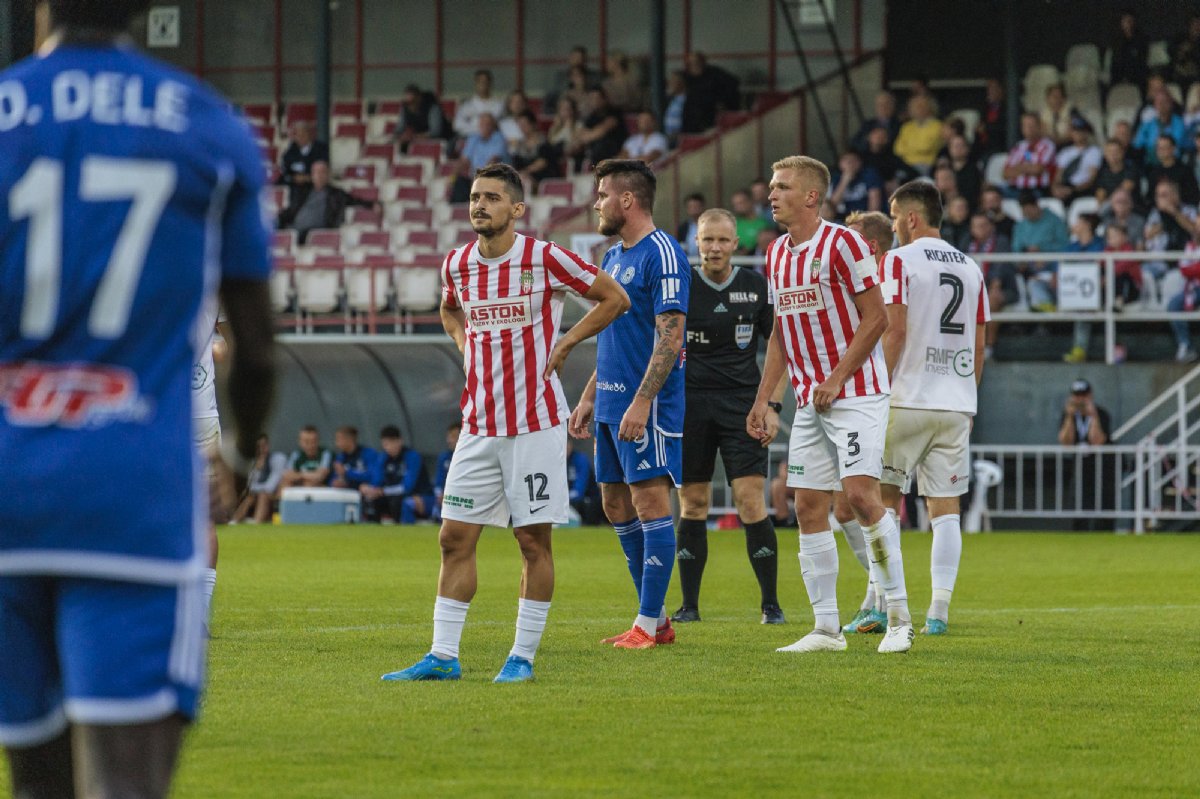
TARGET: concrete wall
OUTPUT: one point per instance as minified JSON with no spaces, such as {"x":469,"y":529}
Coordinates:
{"x":416,"y":384}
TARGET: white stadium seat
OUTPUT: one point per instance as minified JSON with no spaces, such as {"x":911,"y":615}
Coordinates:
{"x":417,"y":288}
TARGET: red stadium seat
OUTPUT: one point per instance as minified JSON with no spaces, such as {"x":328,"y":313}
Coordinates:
{"x":389,"y":108}
{"x":365,"y":216}
{"x":460,"y":212}
{"x":327,"y":240}
{"x":410,"y":172}
{"x":283,"y":242}
{"x":359,"y":172}
{"x":412,"y":195}
{"x":369,"y":193}
{"x":299,"y":111}
{"x":348,"y":108}
{"x":384,"y":152}
{"x":426,"y":148}
{"x":351,"y":130}
{"x":423,"y":238}
{"x":413,"y":215}
{"x":380,"y":240}
{"x":556,"y":187}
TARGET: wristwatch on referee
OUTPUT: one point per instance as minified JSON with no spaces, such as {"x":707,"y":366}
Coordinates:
{"x":776,"y":406}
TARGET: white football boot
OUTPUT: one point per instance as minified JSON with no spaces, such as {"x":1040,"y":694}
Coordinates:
{"x":897,"y":639}
{"x":818,"y":641}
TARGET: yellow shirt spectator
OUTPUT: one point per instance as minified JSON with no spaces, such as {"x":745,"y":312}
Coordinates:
{"x":918,"y":142}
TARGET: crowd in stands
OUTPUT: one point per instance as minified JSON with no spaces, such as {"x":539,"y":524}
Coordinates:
{"x":1106,"y":160}
{"x":394,"y":481}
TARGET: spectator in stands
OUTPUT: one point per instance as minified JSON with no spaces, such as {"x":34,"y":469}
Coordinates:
{"x":991,"y":203}
{"x":1128,"y":272}
{"x":676,"y":99}
{"x":621,"y":84}
{"x":709,"y":89}
{"x":1056,"y":115}
{"x":398,"y":488}
{"x":920,"y":88}
{"x":310,"y":464}
{"x":749,"y":223}
{"x":685,"y":234}
{"x":766,"y":237}
{"x":956,"y":224}
{"x":853,"y":187}
{"x":947,"y":186}
{"x":1156,"y":84}
{"x":1191,"y":110}
{"x":324,"y":206}
{"x":951,"y":126}
{"x":295,"y":165}
{"x":514,"y":105}
{"x":882,"y":158}
{"x":1165,"y":122}
{"x":1122,"y":131}
{"x":603,"y":129}
{"x":1086,"y":424}
{"x":920,"y":137}
{"x":991,"y":136}
{"x":1169,"y":167}
{"x":967,"y":176}
{"x":1129,"y":52}
{"x":1185,"y":52}
{"x":577,"y":91}
{"x":261,"y":484}
{"x":482,"y":148}
{"x":1000,"y":278}
{"x":1077,"y":164}
{"x":1120,"y":211}
{"x":577,"y":60}
{"x":647,"y":144}
{"x":1116,"y":172}
{"x":443,"y":468}
{"x":1186,"y":300}
{"x":470,"y":111}
{"x":352,"y":462}
{"x":1083,"y":239}
{"x":583,"y":490}
{"x":884,"y":117}
{"x":1030,"y":162}
{"x":1039,"y":230}
{"x":564,"y":130}
{"x":760,"y":195}
{"x":1170,"y":225}
{"x":533,"y":156}
{"x":420,"y":117}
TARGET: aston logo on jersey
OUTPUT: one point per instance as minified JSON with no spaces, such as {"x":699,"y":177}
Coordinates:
{"x":799,"y":299}
{"x":503,"y":313}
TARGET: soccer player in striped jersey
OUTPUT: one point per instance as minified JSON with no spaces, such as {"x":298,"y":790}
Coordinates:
{"x":502,"y":298}
{"x":128,"y":194}
{"x":934,"y":353}
{"x":637,"y":392}
{"x":830,"y":315}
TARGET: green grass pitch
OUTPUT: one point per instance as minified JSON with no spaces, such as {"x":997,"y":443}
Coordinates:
{"x":1071,"y":669}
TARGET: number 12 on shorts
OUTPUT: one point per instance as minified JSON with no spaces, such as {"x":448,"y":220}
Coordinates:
{"x":539,"y":494}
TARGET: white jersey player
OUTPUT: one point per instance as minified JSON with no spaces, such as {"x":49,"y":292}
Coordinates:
{"x":206,"y":422}
{"x":934,"y":351}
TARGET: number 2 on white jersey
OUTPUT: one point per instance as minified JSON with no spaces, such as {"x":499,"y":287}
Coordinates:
{"x":38,"y":196}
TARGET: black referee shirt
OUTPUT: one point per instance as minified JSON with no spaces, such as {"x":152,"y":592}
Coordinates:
{"x":724,"y":323}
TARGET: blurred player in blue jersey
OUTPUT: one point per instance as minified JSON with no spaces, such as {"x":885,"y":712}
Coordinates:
{"x":128,"y":194}
{"x":636,"y":393}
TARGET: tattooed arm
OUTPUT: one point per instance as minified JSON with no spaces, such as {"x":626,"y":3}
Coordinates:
{"x":669,"y":328}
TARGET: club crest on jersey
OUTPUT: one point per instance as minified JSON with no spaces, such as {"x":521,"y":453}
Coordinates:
{"x":742,"y":334}
{"x":627,"y":275}
{"x":501,"y":313}
{"x":799,"y":299}
{"x":815,"y":269}
{"x":526,"y":281}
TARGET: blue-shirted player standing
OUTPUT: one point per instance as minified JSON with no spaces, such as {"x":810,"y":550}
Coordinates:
{"x":128,"y":194}
{"x":636,"y":393}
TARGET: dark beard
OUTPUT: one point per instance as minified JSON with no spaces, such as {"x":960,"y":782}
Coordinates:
{"x":611,"y":227}
{"x":485,"y":228}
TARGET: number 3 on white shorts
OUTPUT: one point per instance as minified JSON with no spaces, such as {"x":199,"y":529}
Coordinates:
{"x":38,"y":196}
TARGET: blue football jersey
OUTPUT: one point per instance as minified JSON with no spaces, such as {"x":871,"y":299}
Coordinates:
{"x":128,"y":191}
{"x":656,"y":276}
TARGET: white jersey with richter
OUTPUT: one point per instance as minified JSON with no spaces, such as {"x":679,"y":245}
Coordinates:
{"x":946,"y":299}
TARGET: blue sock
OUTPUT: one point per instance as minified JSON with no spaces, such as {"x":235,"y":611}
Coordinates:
{"x":634,"y":546}
{"x":659,"y":537}
{"x":408,"y":514}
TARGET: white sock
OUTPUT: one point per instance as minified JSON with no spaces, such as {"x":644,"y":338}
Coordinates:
{"x":819,"y":568}
{"x":662,"y":617}
{"x":853,"y":533}
{"x":649,"y":624}
{"x":883,"y":538}
{"x":531,"y":621}
{"x":210,"y":585}
{"x":449,"y":616}
{"x":943,"y":562}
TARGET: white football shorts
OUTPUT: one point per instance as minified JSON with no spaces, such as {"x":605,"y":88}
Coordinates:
{"x":495,"y":478}
{"x":846,"y":441}
{"x":930,"y":445}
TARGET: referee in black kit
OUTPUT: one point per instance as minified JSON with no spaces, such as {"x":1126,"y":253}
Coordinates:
{"x":728,"y":314}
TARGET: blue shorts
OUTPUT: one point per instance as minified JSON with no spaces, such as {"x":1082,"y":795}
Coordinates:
{"x":98,"y":652}
{"x":653,"y":455}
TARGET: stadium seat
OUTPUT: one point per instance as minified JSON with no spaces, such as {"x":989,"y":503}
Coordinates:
{"x":1083,"y":54}
{"x":370,"y":270}
{"x":1011,"y":208}
{"x":360,"y":171}
{"x":350,"y":130}
{"x":556,"y":187}
{"x":318,"y":286}
{"x":282,"y":290}
{"x":408,"y":172}
{"x":364,"y":217}
{"x":1054,"y":206}
{"x":418,"y":288}
{"x":1082,"y":205}
{"x":380,"y":128}
{"x":427,"y":165}
{"x":1117,"y":115}
{"x":374,"y":241}
{"x":452,"y":235}
{"x":970,"y":120}
{"x":325,"y":241}
{"x":1159,"y":54}
{"x":283,"y":242}
{"x":417,"y":215}
{"x":423,"y":240}
{"x":1083,"y":88}
{"x":387,"y":108}
{"x":1037,"y":78}
{"x":348,"y":108}
{"x":1175,"y":92}
{"x":993,"y":173}
{"x":300,"y":111}
{"x":343,"y":152}
{"x":382,"y":152}
{"x":412,"y":195}
{"x":262,"y":113}
{"x":426,"y":148}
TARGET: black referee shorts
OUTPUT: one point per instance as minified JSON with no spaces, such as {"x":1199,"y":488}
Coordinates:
{"x":717,"y":420}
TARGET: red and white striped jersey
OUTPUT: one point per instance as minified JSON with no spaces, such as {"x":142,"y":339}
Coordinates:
{"x":813,"y":287}
{"x":891,"y":280}
{"x":1040,"y":152}
{"x":947,"y":300}
{"x":513,"y":307}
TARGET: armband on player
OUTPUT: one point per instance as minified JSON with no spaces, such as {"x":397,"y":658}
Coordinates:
{"x":776,"y":406}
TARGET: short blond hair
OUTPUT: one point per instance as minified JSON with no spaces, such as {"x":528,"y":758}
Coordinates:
{"x":715,"y":214}
{"x":876,"y":226}
{"x":808,"y":168}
